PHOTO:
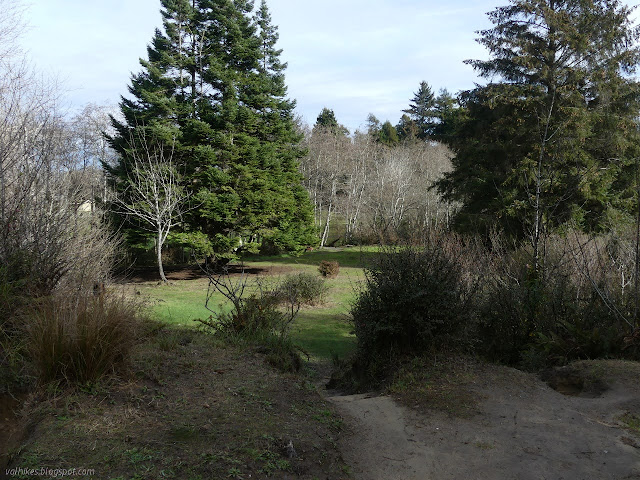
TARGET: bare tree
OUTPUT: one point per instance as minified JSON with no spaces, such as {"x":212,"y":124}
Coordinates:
{"x":44,"y":241}
{"x":151,"y":192}
{"x":323,"y":169}
{"x":88,"y":150}
{"x":12,"y":25}
{"x":375,"y":191}
{"x":357,"y":174}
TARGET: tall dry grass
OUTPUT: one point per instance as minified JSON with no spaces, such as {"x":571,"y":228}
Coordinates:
{"x":80,"y":339}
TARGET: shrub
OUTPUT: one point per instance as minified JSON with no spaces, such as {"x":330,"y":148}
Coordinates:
{"x":257,"y":320}
{"x":329,"y":268}
{"x":269,"y":308}
{"x":574,"y":307}
{"x":302,"y":289}
{"x":252,"y":315}
{"x":264,"y":317}
{"x":78,"y":340}
{"x":414,"y":300}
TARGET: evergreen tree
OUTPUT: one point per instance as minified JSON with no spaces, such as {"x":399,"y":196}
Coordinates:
{"x":327,"y":120}
{"x":388,"y":135}
{"x":384,"y":133}
{"x":373,"y":125}
{"x":421,"y":110}
{"x":549,"y":141}
{"x":407,"y":129}
{"x":444,"y":111}
{"x":213,"y":81}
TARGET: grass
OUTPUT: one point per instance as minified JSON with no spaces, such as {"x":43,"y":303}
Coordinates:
{"x":197,"y":410}
{"x":322,"y":331}
{"x":437,"y":384}
{"x":631,"y":422}
{"x":178,"y":303}
{"x":80,"y":339}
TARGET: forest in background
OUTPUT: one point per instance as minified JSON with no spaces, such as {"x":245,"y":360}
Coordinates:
{"x":520,"y":195}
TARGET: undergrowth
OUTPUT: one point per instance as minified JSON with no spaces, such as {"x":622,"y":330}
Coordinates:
{"x":79,"y":339}
{"x":457,"y":295}
{"x":263,"y":312}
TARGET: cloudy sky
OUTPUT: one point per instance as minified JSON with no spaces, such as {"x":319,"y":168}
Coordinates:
{"x":353,"y":56}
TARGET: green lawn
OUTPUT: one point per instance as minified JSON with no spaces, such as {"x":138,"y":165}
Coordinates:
{"x":321,"y":331}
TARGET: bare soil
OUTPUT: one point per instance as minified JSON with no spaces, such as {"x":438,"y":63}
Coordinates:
{"x":522,"y":428}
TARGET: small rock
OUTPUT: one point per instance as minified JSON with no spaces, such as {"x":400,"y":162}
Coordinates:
{"x":291,"y":451}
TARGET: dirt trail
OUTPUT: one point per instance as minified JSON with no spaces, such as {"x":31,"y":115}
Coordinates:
{"x":10,"y":426}
{"x":525,"y":431}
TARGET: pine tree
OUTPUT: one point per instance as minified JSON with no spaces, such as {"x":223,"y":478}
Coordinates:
{"x":327,"y":120}
{"x":214,"y":85}
{"x":548,"y":142}
{"x":421,"y":110}
{"x":388,"y":134}
{"x":373,"y":125}
{"x":291,"y":218}
{"x":407,"y":129}
{"x":444,"y":112}
{"x":384,"y":133}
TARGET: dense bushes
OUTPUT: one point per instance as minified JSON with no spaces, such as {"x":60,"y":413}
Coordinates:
{"x":577,"y":305}
{"x":414,"y":300}
{"x":491,"y":300}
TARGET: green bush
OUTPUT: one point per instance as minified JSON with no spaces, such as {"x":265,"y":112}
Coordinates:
{"x":252,"y":315}
{"x":302,"y":289}
{"x":414,"y":300}
{"x":329,"y":268}
{"x":510,"y":308}
{"x":78,"y":340}
{"x":270,"y":308}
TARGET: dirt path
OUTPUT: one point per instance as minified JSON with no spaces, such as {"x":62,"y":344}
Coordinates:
{"x":10,"y":426}
{"x":525,"y":431}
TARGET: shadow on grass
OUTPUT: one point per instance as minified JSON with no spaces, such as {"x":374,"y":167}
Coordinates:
{"x":347,"y":257}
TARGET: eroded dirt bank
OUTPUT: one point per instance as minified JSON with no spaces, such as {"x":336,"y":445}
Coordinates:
{"x":524,"y":430}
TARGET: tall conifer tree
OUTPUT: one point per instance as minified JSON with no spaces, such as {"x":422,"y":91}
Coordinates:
{"x":549,"y":140}
{"x":421,"y":110}
{"x":213,"y":87}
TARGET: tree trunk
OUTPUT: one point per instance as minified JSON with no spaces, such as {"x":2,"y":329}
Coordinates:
{"x":636,"y":273}
{"x":325,"y":232}
{"x":159,"y":253}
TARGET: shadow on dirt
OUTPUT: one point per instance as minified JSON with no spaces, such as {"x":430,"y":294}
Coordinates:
{"x":574,"y":382}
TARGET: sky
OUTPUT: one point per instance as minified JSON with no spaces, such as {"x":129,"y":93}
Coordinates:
{"x":353,"y":56}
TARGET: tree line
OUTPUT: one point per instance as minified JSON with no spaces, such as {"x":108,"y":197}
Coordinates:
{"x":365,"y":190}
{"x":208,"y":128}
{"x":544,"y":174}
{"x":549,"y":140}
{"x":552,"y":138}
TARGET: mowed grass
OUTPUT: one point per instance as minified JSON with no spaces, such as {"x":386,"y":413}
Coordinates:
{"x":321,"y":331}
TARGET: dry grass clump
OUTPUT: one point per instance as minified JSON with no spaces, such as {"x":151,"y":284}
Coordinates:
{"x":79,"y":339}
{"x":329,"y":268}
